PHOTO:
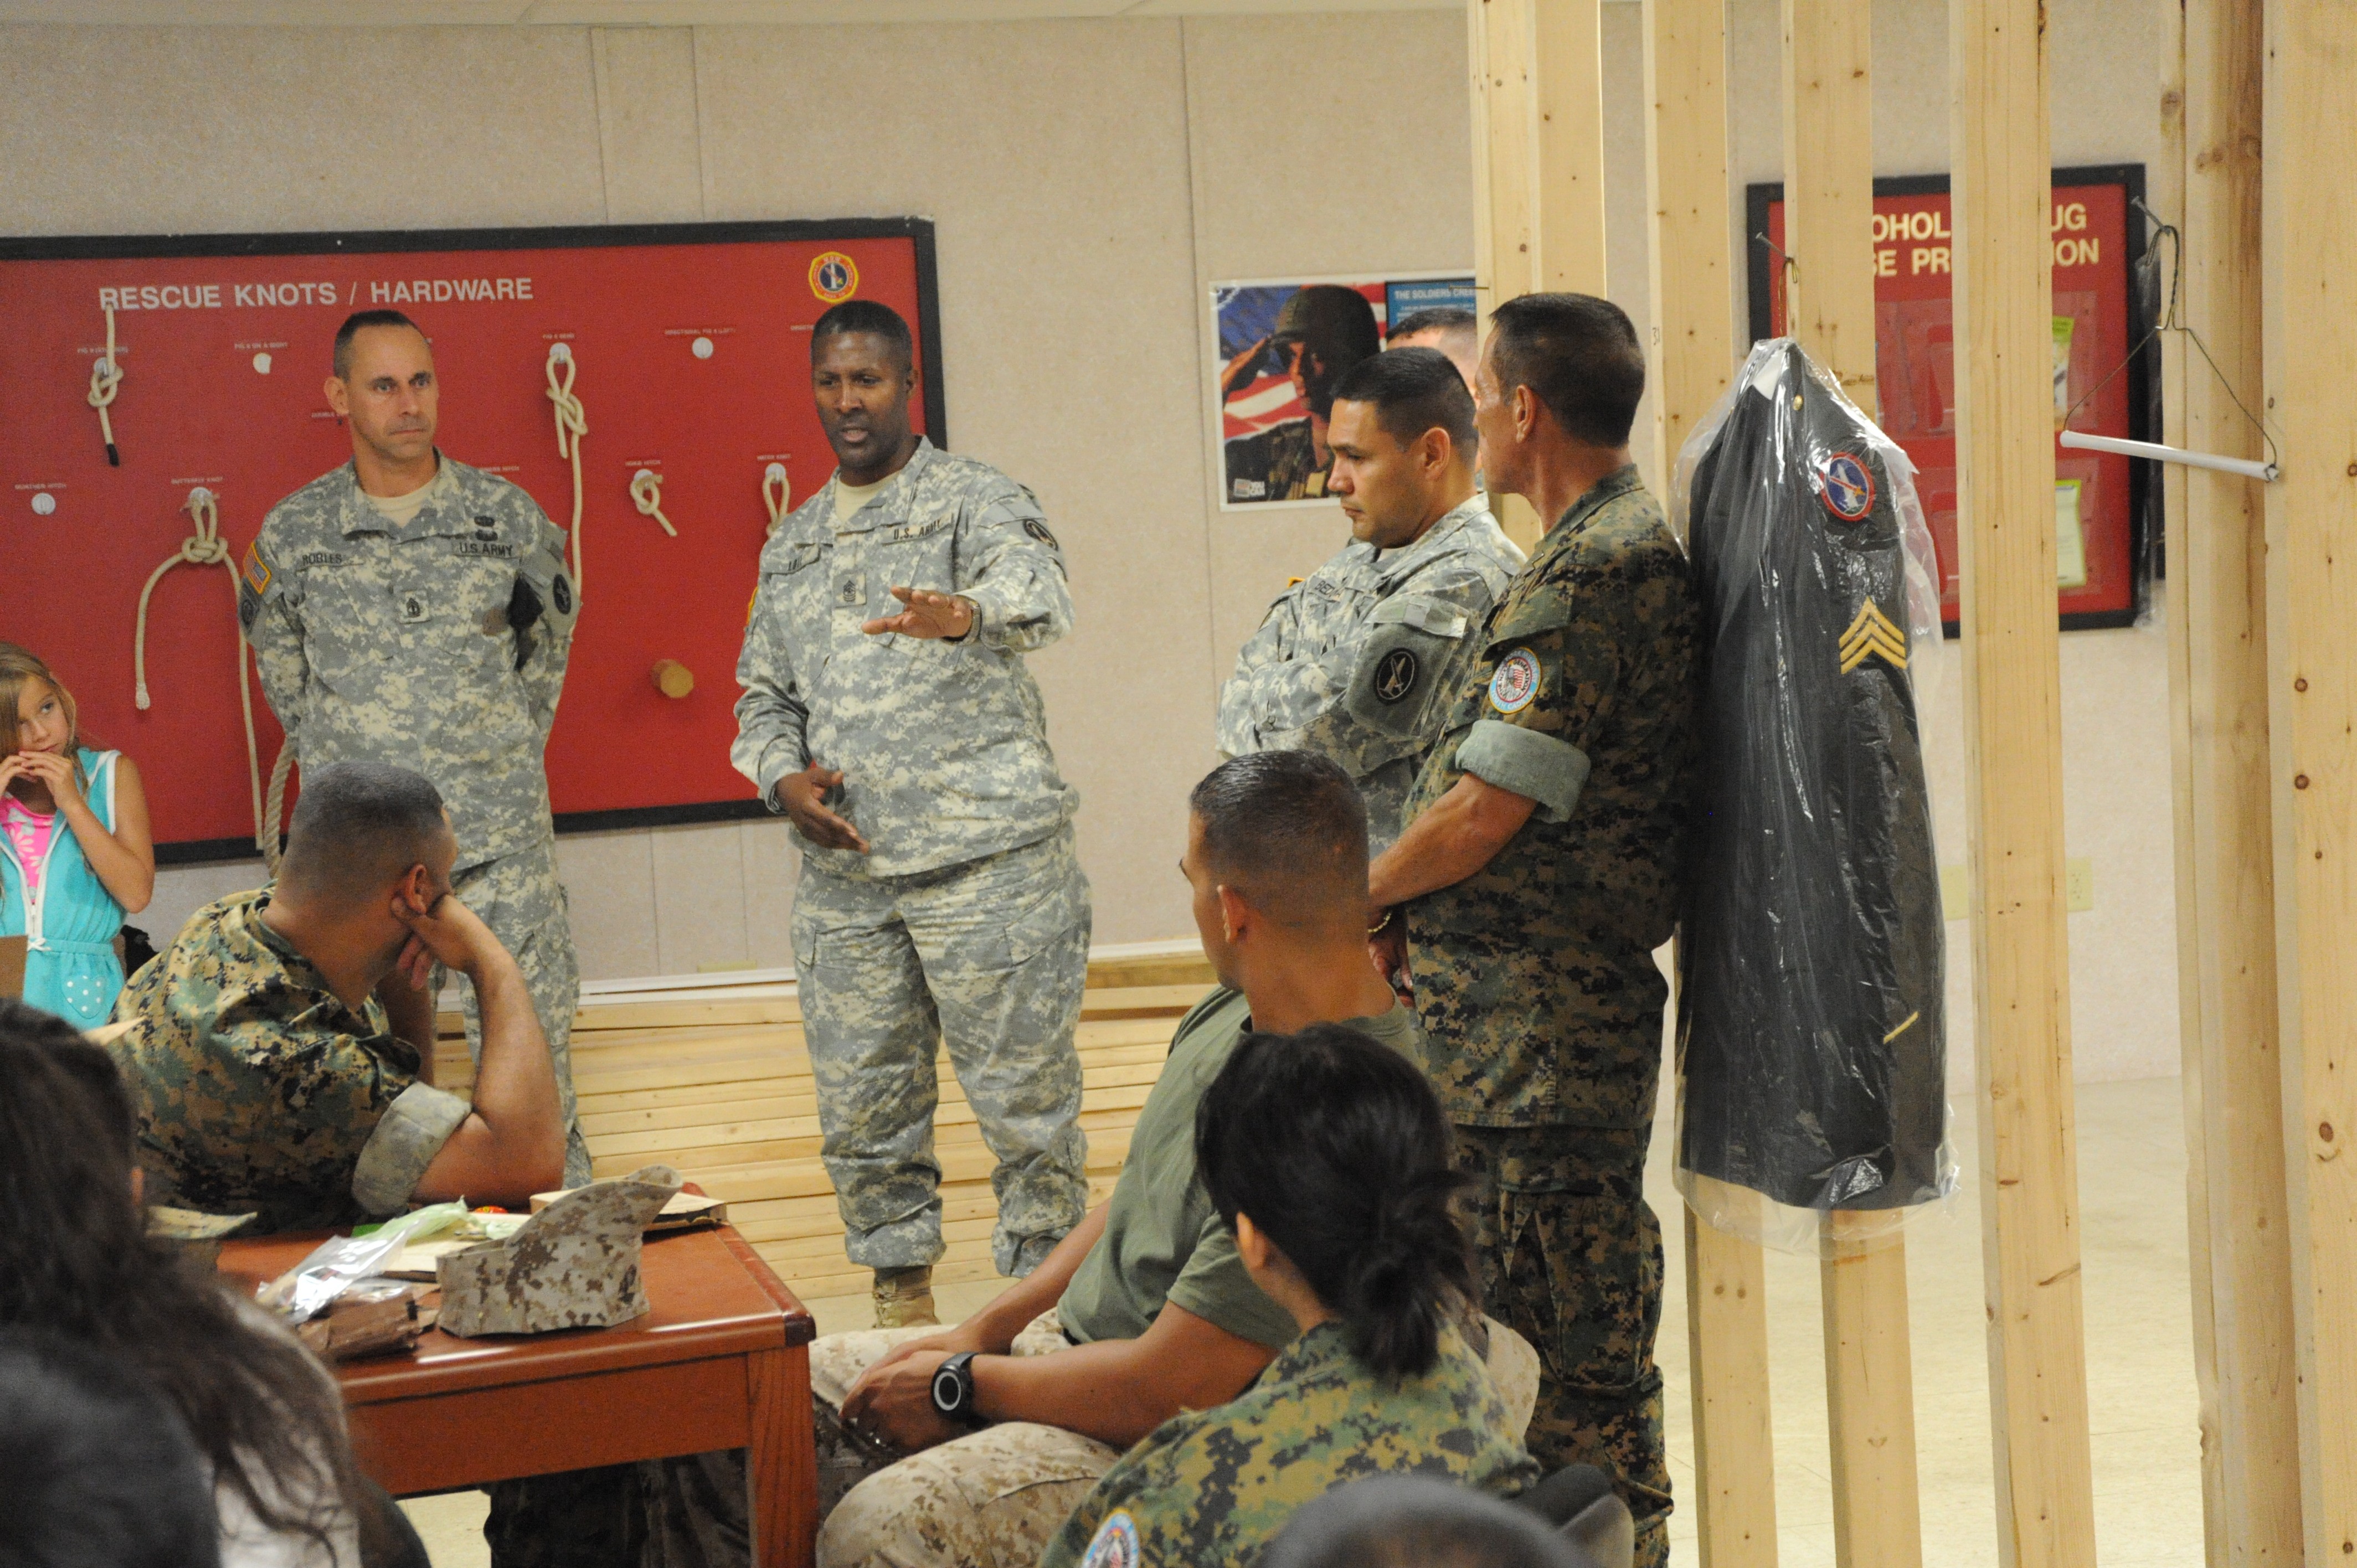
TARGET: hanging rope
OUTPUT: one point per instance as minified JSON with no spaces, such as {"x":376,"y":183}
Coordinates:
{"x":776,"y":493}
{"x":572,"y":425}
{"x":104,"y":377}
{"x":274,"y":806}
{"x":204,"y":547}
{"x":646,"y":490}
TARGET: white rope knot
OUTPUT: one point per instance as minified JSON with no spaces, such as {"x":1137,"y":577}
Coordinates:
{"x":572,"y":425}
{"x":204,"y":547}
{"x":775,"y":494}
{"x":646,"y":490}
{"x":105,"y":376}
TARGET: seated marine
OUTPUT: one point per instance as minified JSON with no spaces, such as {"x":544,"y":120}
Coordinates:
{"x":262,"y":1062}
{"x":1328,"y":1158}
{"x":967,"y":1445}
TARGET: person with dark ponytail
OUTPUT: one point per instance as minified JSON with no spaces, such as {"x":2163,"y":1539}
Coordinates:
{"x":1329,"y":1158}
{"x":76,"y":1264}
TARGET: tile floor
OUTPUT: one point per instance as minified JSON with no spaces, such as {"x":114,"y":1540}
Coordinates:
{"x":2140,"y":1390}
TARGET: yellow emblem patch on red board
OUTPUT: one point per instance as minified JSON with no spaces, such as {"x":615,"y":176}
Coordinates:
{"x":834,"y":277}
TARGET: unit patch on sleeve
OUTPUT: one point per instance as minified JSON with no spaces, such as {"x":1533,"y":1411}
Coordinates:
{"x":1039,"y":530}
{"x":1846,"y":486}
{"x":1396,"y":676}
{"x":1515,"y":684}
{"x":1114,"y":1545}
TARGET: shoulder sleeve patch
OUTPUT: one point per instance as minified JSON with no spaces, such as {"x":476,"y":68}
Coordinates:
{"x":1114,"y":1545}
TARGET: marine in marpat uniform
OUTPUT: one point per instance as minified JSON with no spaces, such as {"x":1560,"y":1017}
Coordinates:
{"x":1359,"y":660}
{"x":1321,"y":332}
{"x":1537,"y":874}
{"x":888,"y":711}
{"x":406,"y":608}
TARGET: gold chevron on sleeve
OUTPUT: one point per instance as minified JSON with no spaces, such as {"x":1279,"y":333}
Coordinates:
{"x":1872,"y":633}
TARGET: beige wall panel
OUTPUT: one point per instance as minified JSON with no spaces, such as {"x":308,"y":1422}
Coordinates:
{"x":1356,"y":163}
{"x":609,"y":889}
{"x":772,"y":865}
{"x":699,"y":897}
{"x":647,"y":124}
{"x":1050,"y":156}
{"x":109,"y":130}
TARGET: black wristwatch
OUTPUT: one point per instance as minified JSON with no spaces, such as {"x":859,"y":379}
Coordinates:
{"x":953,"y":1389}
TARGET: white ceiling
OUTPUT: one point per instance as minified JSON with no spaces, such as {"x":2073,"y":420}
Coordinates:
{"x":640,"y":13}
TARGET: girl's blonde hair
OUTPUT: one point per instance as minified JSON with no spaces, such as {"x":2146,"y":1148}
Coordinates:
{"x":18,"y":665}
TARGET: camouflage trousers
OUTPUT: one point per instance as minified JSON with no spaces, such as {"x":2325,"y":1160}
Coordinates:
{"x":987,"y":957}
{"x":1571,"y":1258}
{"x":993,"y":1499}
{"x":519,"y":896}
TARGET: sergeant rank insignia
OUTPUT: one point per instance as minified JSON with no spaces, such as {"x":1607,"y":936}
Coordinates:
{"x":1872,"y":635}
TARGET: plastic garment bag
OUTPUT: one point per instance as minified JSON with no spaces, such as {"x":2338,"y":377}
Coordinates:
{"x":1811,"y":1031}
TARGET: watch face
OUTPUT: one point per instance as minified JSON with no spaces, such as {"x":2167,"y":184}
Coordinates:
{"x":949,"y":1390}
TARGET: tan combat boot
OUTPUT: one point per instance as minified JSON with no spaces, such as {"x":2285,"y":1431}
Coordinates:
{"x":904,"y":1298}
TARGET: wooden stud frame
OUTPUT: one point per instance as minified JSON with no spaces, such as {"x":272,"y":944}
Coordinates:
{"x":2004,"y":448}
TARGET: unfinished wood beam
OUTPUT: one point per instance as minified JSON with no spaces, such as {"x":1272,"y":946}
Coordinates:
{"x":1694,"y":359}
{"x":1538,"y":163}
{"x":1829,"y":308}
{"x":2005,"y":460}
{"x":1829,"y":187}
{"x":2239,"y":1227}
{"x":2309,"y":232}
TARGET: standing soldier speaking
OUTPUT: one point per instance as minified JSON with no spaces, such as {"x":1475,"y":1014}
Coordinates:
{"x":408,"y":609}
{"x":887,"y":712}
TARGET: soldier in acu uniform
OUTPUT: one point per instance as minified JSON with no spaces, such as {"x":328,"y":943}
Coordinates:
{"x":888,"y":711}
{"x":409,"y":609}
{"x":1359,"y":660}
{"x":1536,"y":876}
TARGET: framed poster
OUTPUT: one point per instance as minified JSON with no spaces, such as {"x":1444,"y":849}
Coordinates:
{"x":1278,"y":345}
{"x":690,"y":344}
{"x":2103,"y":529}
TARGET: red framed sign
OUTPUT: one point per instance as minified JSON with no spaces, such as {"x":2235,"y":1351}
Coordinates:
{"x":691,"y":346}
{"x":2104,"y":503}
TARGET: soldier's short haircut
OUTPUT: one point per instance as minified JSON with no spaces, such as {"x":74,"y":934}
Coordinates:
{"x":357,"y":826}
{"x":1453,"y":320}
{"x":1413,"y":391}
{"x":1288,"y":830}
{"x":866,"y":316}
{"x":1579,"y":355}
{"x":360,"y":321}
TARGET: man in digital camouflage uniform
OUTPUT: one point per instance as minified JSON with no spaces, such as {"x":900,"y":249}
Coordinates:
{"x":1536,"y":876}
{"x":265,"y":1075}
{"x":1321,"y":331}
{"x":889,"y":714}
{"x":409,"y":609}
{"x":1359,"y":660}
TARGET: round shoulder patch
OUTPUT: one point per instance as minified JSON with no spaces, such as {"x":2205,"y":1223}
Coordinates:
{"x":1114,"y":1545}
{"x":1846,"y":484}
{"x":561,"y":590}
{"x":1396,"y":676}
{"x":1039,"y":530}
{"x":1514,"y":685}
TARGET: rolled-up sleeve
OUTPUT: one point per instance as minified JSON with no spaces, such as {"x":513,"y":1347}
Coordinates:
{"x":1528,"y":763}
{"x":408,"y":1137}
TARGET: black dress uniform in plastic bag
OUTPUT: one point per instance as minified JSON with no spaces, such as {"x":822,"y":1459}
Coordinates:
{"x":1812,"y":1034}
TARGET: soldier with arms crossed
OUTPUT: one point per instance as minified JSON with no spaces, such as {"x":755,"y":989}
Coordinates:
{"x":887,"y":712}
{"x":1538,"y":873}
{"x":1358,"y":662}
{"x":408,"y":609}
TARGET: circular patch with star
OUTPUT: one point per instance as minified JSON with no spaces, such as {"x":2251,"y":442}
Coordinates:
{"x":1114,"y":1545}
{"x":1514,"y":684}
{"x":1847,"y":487}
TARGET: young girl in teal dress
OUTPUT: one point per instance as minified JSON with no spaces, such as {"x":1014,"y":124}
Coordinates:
{"x":75,"y":855}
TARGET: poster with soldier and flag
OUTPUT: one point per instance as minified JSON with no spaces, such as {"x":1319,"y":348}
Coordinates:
{"x":1279,"y":347}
